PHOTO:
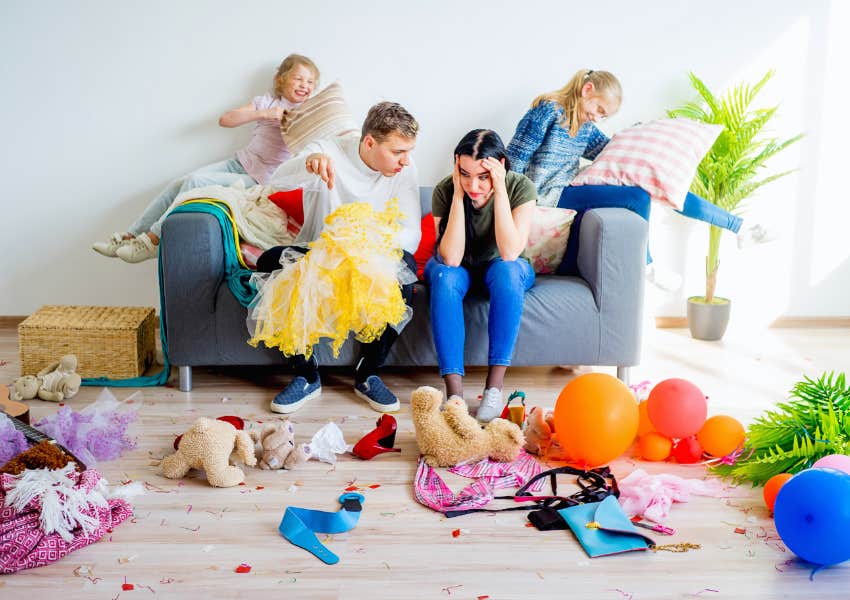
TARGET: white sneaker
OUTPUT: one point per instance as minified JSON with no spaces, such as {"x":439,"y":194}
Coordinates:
{"x":138,"y":249}
{"x":491,"y":405}
{"x":116,"y":240}
{"x":754,"y":234}
{"x":662,"y":278}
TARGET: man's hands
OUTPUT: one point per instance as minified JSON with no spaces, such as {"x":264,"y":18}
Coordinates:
{"x":323,"y":166}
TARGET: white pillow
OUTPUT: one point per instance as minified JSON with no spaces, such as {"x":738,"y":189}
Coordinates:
{"x":322,"y":116}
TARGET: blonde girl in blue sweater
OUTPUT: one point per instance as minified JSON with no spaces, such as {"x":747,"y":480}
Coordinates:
{"x":560,"y":129}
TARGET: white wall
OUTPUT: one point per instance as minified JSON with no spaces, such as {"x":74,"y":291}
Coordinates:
{"x":104,"y":102}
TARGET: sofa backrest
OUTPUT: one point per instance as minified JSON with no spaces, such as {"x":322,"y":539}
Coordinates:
{"x":425,"y":192}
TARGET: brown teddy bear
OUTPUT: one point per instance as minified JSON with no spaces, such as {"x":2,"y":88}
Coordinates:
{"x":56,"y":382}
{"x":278,"y":446}
{"x":452,"y":436}
{"x":208,"y":445}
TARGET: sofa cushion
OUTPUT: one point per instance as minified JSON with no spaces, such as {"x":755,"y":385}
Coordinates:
{"x":547,"y":238}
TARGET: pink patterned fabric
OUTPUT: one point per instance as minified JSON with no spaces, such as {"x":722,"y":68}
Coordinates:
{"x":432,"y":491}
{"x":660,"y":157}
{"x":23,"y":545}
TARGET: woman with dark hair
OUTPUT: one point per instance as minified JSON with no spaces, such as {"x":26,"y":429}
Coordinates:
{"x":482,"y":213}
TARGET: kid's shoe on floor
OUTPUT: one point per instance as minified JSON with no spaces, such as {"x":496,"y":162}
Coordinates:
{"x":377,"y":395}
{"x":109,"y":248}
{"x":491,"y":405}
{"x":295,"y":395}
{"x":138,"y":249}
{"x":662,"y":278}
{"x":755,"y":234}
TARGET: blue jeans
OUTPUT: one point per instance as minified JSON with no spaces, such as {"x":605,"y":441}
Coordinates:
{"x":506,"y":281}
{"x":585,"y":197}
{"x":226,"y":172}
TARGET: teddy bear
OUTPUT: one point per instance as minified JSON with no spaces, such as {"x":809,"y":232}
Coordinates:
{"x":451,"y":436}
{"x":56,"y":382}
{"x":278,"y":446}
{"x":540,"y":438}
{"x":207,"y":445}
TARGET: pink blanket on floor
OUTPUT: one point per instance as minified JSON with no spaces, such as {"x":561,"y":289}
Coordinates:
{"x":24,"y":545}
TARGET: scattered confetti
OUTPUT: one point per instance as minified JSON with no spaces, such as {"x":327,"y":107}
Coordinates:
{"x":166,"y":580}
{"x":483,"y":597}
{"x":260,"y":487}
{"x":456,"y":533}
{"x":125,"y":559}
{"x":208,"y":548}
{"x":626,"y":595}
{"x":188,"y":509}
{"x":448,"y":589}
{"x":292,"y":488}
{"x":740,"y":530}
{"x":225,"y":399}
{"x":243,"y":568}
{"x":196,"y":528}
{"x":702,"y":591}
{"x":127,"y":586}
{"x":374,"y":486}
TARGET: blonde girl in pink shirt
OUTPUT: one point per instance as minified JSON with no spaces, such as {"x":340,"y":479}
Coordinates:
{"x":296,"y":78}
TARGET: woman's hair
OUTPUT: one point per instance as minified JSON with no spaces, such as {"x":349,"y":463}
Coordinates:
{"x":568,"y":96}
{"x":288,"y":64}
{"x":477,"y":144}
{"x":483,"y":143}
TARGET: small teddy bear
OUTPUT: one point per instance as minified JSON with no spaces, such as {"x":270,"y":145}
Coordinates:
{"x":452,"y":436}
{"x":278,"y":447}
{"x":540,"y":438}
{"x":207,"y":445}
{"x":56,"y":382}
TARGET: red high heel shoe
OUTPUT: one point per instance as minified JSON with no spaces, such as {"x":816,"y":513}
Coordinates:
{"x":378,"y":441}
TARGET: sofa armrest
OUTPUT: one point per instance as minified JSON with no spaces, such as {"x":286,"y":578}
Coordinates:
{"x":612,"y":259}
{"x":192,"y":257}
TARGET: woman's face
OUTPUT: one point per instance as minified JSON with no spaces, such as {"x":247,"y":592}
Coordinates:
{"x":299,"y":84}
{"x":474,"y":179}
{"x":594,"y":106}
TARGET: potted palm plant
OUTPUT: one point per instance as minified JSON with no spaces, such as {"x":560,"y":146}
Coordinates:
{"x":726,"y":177}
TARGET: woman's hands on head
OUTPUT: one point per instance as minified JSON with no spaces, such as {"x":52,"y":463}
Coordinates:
{"x":497,"y":173}
{"x":457,"y":194}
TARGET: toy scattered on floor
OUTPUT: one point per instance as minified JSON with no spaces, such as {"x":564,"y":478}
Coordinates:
{"x":43,"y":455}
{"x":539,"y":429}
{"x":207,"y":445}
{"x":56,"y":382}
{"x":596,"y":417}
{"x":379,"y":440}
{"x":278,"y":446}
{"x":515,"y":414}
{"x":452,"y":436}
{"x":811,"y":515}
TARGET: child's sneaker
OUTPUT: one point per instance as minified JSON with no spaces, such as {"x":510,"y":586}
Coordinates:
{"x":491,"y":405}
{"x":295,"y":395}
{"x":109,"y":248}
{"x":138,"y":249}
{"x":754,"y":234}
{"x":377,"y":395}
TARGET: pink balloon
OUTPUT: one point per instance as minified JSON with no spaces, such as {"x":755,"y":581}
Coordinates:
{"x":840,"y":462}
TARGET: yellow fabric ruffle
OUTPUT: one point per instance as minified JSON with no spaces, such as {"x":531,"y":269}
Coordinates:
{"x":348,"y":282}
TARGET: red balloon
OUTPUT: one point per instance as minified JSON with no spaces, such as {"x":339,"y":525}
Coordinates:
{"x":687,"y":451}
{"x":677,"y":408}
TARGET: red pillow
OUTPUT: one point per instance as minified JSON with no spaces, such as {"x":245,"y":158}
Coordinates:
{"x":292,"y":203}
{"x":426,"y":245}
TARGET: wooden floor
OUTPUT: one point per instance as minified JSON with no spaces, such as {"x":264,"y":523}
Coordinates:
{"x":187,"y":538}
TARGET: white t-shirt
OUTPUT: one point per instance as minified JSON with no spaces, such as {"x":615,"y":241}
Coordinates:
{"x":353,"y":182}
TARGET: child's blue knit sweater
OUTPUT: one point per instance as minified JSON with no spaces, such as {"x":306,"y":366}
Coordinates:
{"x":547,"y":154}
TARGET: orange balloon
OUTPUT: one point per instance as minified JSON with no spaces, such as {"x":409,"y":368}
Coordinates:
{"x":596,"y":418}
{"x":644,"y":424}
{"x":654,"y":446}
{"x":772,"y":487}
{"x":721,"y":435}
{"x":677,"y":408}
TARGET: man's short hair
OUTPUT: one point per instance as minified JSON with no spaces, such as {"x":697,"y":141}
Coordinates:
{"x":386,"y":118}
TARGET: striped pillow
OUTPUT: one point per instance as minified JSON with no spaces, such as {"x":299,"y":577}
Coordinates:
{"x":325,"y":115}
{"x":660,"y":156}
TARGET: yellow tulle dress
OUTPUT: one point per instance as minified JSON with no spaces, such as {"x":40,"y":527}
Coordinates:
{"x":348,"y":282}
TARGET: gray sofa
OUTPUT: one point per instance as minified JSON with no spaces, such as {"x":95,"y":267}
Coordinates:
{"x":594,"y":319}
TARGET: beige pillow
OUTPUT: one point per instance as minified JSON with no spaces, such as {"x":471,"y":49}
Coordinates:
{"x":323,"y":116}
{"x":547,"y":238}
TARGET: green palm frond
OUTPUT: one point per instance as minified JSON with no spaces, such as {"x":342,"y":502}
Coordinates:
{"x":813,"y":423}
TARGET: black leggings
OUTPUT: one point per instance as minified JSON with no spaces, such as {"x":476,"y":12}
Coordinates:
{"x":372,"y":355}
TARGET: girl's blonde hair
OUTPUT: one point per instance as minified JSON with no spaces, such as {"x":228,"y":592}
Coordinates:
{"x":569,"y":95}
{"x":288,"y":64}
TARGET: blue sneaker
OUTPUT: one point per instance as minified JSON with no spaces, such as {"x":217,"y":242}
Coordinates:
{"x":376,"y":394}
{"x":295,"y":395}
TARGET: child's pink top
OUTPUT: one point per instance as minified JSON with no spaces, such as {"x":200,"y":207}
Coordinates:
{"x":266,"y":150}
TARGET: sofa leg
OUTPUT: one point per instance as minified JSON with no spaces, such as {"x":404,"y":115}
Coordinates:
{"x":186,"y":379}
{"x":622,"y":374}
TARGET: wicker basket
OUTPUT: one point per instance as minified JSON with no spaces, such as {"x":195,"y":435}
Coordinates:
{"x":109,"y":341}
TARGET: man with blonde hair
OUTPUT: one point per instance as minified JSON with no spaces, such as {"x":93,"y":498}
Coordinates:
{"x":374,"y":169}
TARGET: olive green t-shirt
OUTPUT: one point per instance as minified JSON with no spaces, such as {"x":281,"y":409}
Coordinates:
{"x":482,"y":248}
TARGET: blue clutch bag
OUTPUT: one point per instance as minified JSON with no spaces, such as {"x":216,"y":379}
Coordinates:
{"x":602,"y":528}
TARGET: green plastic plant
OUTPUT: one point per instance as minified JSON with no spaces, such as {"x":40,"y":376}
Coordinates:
{"x":814,"y":423}
{"x":728,"y":174}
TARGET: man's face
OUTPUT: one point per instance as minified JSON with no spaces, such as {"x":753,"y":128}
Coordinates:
{"x":388,"y":157}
